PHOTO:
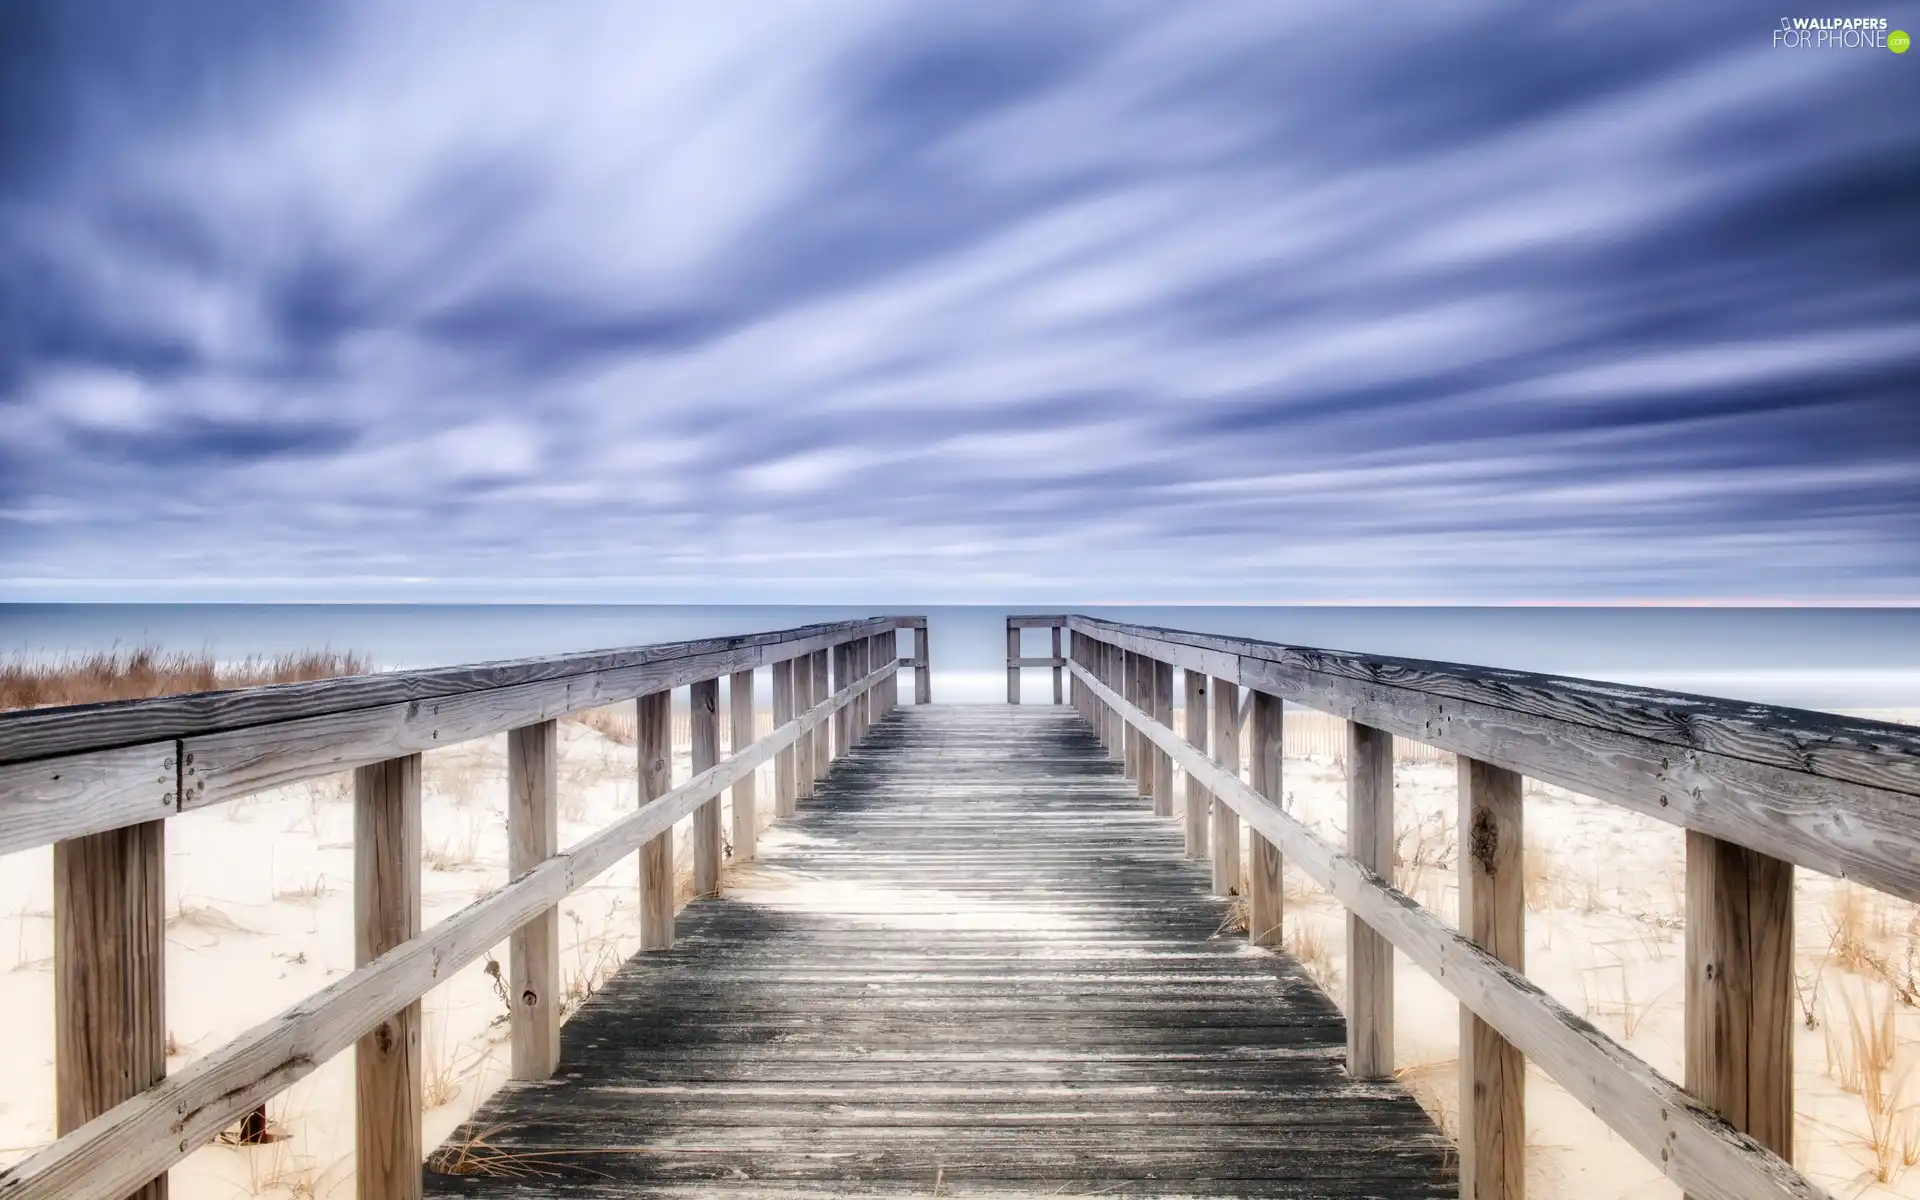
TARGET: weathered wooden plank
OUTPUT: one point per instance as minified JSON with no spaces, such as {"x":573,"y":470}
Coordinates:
{"x":1225,"y":838}
{"x":1059,"y":664}
{"x":138,"y":1139}
{"x":762,"y":1056}
{"x":1265,"y":751}
{"x":1740,"y":1000}
{"x":746,"y":800}
{"x":1199,"y":801}
{"x":1162,"y":684}
{"x":1827,"y":825}
{"x":653,"y":729}
{"x":109,"y":961}
{"x":1369,"y":956}
{"x":1693,"y":1147}
{"x":386,"y":914}
{"x":1493,"y":1073}
{"x":1035,"y":622}
{"x":1037,"y":660}
{"x":922,"y":666}
{"x":1876,"y":754}
{"x":59,"y":798}
{"x":786,"y":763}
{"x":533,"y":953}
{"x":1013,"y":662}
{"x":709,"y":857}
{"x":822,"y":734}
{"x":44,"y":733}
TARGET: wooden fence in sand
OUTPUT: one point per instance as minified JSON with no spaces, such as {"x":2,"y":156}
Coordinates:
{"x":1757,"y":788}
{"x":98,"y":782}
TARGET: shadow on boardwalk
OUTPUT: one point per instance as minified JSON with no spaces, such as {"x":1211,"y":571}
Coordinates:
{"x":975,"y":963}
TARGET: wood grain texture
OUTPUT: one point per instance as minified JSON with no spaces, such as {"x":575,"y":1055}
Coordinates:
{"x":1265,"y":752}
{"x":822,"y":733}
{"x":1224,"y":840}
{"x":1030,"y":621}
{"x":1877,"y":754}
{"x":1493,"y":1073}
{"x":786,"y":764}
{"x":803,"y":750}
{"x":142,"y":1137}
{"x":1059,"y":663}
{"x":1162,"y":679}
{"x":1013,"y":662}
{"x":709,"y":854}
{"x":1692,"y":1147}
{"x":69,"y":797}
{"x":962,"y":1035}
{"x":1740,"y":999}
{"x":653,"y":728}
{"x":386,"y":914}
{"x":533,"y":953}
{"x":109,"y":982}
{"x":746,"y":799}
{"x":44,"y":733}
{"x":842,"y":667}
{"x":1199,"y":800}
{"x":1831,"y":794}
{"x":1369,"y":955}
{"x":922,"y":666}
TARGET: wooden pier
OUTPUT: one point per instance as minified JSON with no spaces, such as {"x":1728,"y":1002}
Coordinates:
{"x":988,"y":950}
{"x":975,"y":964}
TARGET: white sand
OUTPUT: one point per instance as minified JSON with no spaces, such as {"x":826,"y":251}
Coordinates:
{"x":260,"y":899}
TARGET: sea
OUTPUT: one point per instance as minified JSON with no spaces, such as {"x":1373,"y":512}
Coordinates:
{"x":1821,"y":658}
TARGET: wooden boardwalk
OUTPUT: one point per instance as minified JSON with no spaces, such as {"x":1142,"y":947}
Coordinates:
{"x":974,"y":963}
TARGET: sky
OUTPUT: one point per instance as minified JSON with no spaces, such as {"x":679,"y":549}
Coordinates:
{"x":912,"y":302}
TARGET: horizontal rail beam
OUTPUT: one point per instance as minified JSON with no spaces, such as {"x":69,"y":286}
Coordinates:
{"x":1046,"y":661}
{"x":1826,"y":821}
{"x":135,"y":1141}
{"x":1693,"y":1147}
{"x":1031,"y":622}
{"x":49,"y":799}
{"x":44,"y":733}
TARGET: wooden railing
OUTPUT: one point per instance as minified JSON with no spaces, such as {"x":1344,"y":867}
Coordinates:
{"x":99,"y":781}
{"x":1757,"y":788}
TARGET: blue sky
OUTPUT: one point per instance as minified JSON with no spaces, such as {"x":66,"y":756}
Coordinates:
{"x":985,"y":302}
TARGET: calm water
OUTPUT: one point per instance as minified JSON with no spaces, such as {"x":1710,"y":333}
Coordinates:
{"x":1814,"y":658}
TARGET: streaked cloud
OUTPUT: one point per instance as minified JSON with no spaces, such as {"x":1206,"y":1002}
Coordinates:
{"x":861,"y":301}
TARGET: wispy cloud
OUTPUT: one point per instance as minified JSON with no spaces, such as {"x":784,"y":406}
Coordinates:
{"x":860,"y":300}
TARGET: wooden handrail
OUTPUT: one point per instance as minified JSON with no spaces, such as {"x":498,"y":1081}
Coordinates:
{"x":66,"y":772}
{"x":119,"y":1150}
{"x":1834,"y":794}
{"x":1692,"y":1145}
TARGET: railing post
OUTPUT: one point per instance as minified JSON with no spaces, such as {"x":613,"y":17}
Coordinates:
{"x":386,"y":895}
{"x":1265,"y":751}
{"x":533,"y":952}
{"x":109,"y":962}
{"x":703,"y":699}
{"x":823,"y":732}
{"x":746,"y":793}
{"x":1013,"y":662}
{"x":843,"y":719}
{"x":889,"y":652}
{"x":785,"y":762}
{"x":1059,"y":682}
{"x":922,"y":667}
{"x":1199,"y":799}
{"x":805,"y":764}
{"x":1740,"y":1001}
{"x":863,"y":703}
{"x":1369,"y":956}
{"x":1493,"y":1129}
{"x":653,"y":722}
{"x":1226,"y":756}
{"x":1118,"y":739}
{"x":1130,"y":692}
{"x":1162,"y":761}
